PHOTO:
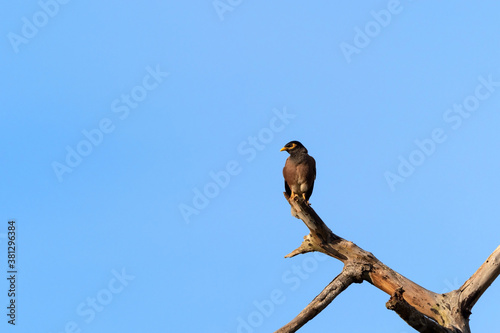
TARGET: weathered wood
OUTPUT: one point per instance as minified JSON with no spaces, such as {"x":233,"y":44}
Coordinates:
{"x":422,"y":309}
{"x":414,"y":318}
{"x":332,"y":290}
{"x":474,"y":287}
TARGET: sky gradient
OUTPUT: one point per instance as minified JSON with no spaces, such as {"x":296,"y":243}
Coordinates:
{"x":141,"y":158}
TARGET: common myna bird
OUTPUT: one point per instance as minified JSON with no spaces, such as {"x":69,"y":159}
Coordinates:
{"x":299,"y":171}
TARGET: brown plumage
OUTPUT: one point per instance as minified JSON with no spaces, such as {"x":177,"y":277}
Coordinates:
{"x":299,"y":171}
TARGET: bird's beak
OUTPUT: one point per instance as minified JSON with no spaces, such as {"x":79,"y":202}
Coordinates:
{"x":283,"y":149}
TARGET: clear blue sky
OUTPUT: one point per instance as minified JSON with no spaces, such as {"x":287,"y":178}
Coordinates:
{"x":141,"y":162}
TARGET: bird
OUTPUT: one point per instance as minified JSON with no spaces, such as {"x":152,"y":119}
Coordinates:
{"x":299,"y":171}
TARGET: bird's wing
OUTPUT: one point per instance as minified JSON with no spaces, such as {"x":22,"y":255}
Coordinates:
{"x":313,"y":165}
{"x":312,"y":176}
{"x":287,"y":189}
{"x":309,"y":191}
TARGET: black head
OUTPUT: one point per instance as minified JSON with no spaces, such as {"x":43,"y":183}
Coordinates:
{"x":293,"y":147}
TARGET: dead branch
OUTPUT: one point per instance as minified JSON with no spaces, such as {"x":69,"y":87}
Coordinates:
{"x":422,"y":309}
{"x":412,"y":317}
{"x":332,"y":290}
{"x":474,"y":287}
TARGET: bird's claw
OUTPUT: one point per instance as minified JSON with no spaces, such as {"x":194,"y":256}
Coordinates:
{"x":295,"y":196}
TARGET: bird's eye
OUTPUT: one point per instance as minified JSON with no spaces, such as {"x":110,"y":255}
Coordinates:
{"x":293,"y":146}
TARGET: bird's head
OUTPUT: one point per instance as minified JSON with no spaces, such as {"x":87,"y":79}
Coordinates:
{"x":294,"y":147}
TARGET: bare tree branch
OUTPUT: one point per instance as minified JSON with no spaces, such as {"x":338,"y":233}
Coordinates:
{"x":412,"y":317}
{"x":477,"y":284}
{"x":422,"y":309}
{"x":332,"y":290}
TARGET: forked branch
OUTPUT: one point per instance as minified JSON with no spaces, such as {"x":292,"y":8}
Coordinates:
{"x":422,"y":309}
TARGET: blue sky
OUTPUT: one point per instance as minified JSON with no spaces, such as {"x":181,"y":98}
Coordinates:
{"x":141,"y":158}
